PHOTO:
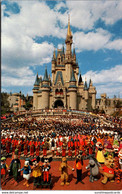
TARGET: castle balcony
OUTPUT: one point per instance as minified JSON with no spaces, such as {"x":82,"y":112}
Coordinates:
{"x":59,"y":95}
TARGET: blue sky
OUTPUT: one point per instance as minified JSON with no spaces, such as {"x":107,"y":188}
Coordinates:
{"x":31,"y":30}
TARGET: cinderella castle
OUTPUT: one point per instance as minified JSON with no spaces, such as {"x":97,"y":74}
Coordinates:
{"x":66,"y":88}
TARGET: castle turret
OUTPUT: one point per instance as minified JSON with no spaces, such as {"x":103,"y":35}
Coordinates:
{"x":86,"y":90}
{"x":35,"y":92}
{"x":45,"y":91}
{"x":92,"y":93}
{"x":73,"y":92}
{"x":80,"y":84}
{"x":74,"y":55}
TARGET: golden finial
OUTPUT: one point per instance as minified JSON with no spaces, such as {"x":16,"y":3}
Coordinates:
{"x":69,"y":33}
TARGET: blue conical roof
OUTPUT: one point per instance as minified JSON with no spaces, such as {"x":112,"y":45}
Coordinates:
{"x":90,"y":82}
{"x":80,"y":78}
{"x":37,"y":80}
{"x":72,"y":77}
{"x":63,"y":49}
{"x":45,"y":75}
{"x":85,"y":85}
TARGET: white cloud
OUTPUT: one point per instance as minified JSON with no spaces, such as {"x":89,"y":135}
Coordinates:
{"x":22,"y":76}
{"x":19,"y":31}
{"x":111,"y":75}
{"x":100,"y":39}
{"x":115,"y":44}
{"x":25,"y":52}
{"x":84,"y":14}
{"x":106,"y":81}
{"x":91,"y":40}
{"x":17,"y":81}
{"x":59,"y":6}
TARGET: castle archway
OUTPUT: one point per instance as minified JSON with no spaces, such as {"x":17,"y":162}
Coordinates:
{"x":58,"y":104}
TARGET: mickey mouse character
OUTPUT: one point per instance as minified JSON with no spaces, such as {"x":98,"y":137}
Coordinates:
{"x":45,"y":168}
{"x":36,"y":171}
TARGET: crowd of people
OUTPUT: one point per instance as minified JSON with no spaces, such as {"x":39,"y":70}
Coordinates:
{"x":64,"y":135}
{"x":61,"y":136}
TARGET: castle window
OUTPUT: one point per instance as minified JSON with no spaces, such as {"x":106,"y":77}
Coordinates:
{"x":61,"y":91}
{"x":56,"y":91}
{"x":59,"y":61}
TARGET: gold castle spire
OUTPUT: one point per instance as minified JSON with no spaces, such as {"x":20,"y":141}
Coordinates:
{"x":69,"y":33}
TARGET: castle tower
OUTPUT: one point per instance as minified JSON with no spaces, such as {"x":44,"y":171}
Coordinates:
{"x":64,"y":89}
{"x":45,"y":91}
{"x":35,"y":92}
{"x":53,"y":65}
{"x":68,"y":54}
{"x":73,"y":92}
{"x":92,"y":93}
{"x":86,"y":90}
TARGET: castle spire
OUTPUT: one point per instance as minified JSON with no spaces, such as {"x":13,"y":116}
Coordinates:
{"x":63,"y":48}
{"x":68,"y":41}
{"x":54,"y":55}
{"x":80,"y":79}
{"x":72,"y":77}
{"x":37,"y":80}
{"x":69,"y":33}
{"x":46,"y":75}
{"x":85,"y":85}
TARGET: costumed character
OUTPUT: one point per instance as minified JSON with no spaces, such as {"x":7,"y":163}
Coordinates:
{"x":109,"y":150}
{"x":120,"y":158}
{"x":14,"y":168}
{"x":70,"y":147}
{"x":26,"y":172}
{"x":4,"y":170}
{"x":45,"y":168}
{"x":77,"y":145}
{"x":108,"y":170}
{"x":8,"y":145}
{"x":58,"y":147}
{"x":94,"y":169}
{"x":100,"y":155}
{"x":19,"y":146}
{"x":32,"y":147}
{"x":36,"y":171}
{"x":118,"y":165}
{"x":37,"y":147}
{"x":25,"y":147}
{"x":44,"y":147}
{"x":64,"y":147}
{"x":53,"y":146}
{"x":116,"y":147}
{"x":13,"y":145}
{"x":3,"y":142}
{"x":89,"y":147}
{"x":64,"y":171}
{"x":79,"y":165}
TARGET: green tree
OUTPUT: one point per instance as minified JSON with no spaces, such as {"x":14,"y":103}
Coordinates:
{"x":28,"y":104}
{"x":5,"y":105}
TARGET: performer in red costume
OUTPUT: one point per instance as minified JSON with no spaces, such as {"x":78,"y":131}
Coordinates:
{"x":70,"y":147}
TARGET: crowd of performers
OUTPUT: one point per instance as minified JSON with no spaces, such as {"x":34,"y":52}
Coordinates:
{"x":63,"y":136}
